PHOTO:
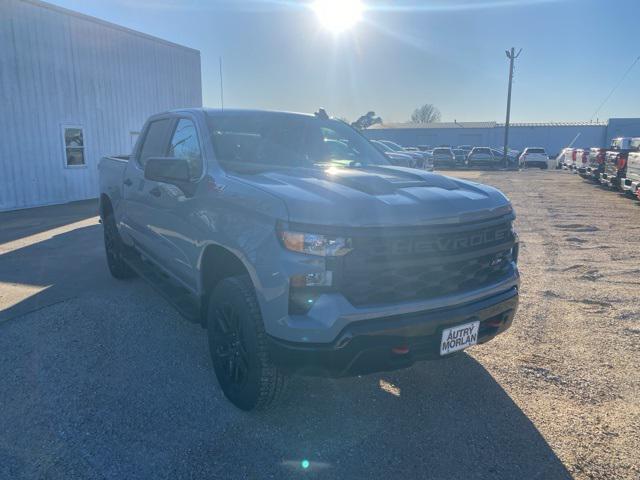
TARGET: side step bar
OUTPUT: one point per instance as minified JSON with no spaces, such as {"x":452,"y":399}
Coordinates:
{"x":187,"y":304}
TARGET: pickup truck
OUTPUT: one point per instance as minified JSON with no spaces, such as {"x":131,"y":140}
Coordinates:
{"x":446,"y":158}
{"x":299,"y":260}
{"x":582,"y":161}
{"x":484,"y":157}
{"x":568,"y":158}
{"x":631,"y":182}
{"x":420,"y":158}
{"x":595,"y":163}
{"x":615,"y":165}
{"x":394,"y":157}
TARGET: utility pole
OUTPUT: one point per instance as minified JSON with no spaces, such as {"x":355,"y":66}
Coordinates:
{"x":221,"y":88}
{"x":511,"y":55}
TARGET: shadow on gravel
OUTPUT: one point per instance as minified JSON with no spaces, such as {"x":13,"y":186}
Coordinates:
{"x":112,"y":383}
{"x":23,"y":223}
{"x":62,"y":267}
{"x":446,"y":419}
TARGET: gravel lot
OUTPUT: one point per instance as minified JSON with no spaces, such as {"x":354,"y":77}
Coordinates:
{"x":102,"y":379}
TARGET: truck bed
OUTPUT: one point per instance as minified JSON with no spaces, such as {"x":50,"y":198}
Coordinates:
{"x":111,"y":172}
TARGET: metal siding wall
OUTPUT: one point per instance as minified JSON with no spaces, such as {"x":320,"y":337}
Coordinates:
{"x":58,"y":69}
{"x":622,"y":127}
{"x":554,"y":138}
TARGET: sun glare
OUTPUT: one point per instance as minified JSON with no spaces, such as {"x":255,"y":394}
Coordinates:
{"x":338,"y":15}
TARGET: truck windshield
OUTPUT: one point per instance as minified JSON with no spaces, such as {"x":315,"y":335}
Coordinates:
{"x":248,"y":141}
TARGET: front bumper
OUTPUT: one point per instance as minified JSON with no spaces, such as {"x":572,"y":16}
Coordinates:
{"x":627,"y":185}
{"x":367,"y":346}
{"x":594,"y":172}
{"x":536,"y":163}
{"x":613,"y":178}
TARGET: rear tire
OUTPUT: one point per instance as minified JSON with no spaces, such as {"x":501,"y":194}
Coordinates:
{"x":238,"y":346}
{"x":114,"y":249}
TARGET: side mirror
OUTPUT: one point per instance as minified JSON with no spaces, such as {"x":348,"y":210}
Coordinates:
{"x":167,"y":170}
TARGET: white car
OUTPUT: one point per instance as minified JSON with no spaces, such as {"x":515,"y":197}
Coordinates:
{"x":534,"y":157}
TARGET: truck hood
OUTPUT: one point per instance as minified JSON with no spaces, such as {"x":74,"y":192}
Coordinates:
{"x":378,"y":196}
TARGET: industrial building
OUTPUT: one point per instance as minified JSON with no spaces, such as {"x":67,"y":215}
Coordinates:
{"x":74,"y":88}
{"x":553,"y":136}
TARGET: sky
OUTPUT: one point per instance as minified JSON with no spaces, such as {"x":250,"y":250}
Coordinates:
{"x":402,"y":54}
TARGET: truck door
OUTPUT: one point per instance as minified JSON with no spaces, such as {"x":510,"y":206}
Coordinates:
{"x":137,"y":191}
{"x":173,"y":212}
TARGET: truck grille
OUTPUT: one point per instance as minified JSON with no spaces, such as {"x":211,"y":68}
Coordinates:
{"x":382,"y":270}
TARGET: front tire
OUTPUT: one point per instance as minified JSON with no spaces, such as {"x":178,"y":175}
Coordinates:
{"x":238,"y":346}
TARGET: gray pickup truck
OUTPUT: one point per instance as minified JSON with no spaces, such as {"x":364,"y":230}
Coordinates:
{"x":297,"y":259}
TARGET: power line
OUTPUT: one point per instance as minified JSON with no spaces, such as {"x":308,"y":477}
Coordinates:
{"x":624,"y":75}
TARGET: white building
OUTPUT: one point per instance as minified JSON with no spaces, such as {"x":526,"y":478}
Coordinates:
{"x":72,"y":89}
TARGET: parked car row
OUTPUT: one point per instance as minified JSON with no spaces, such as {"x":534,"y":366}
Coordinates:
{"x":617,"y":166}
{"x":464,"y":156}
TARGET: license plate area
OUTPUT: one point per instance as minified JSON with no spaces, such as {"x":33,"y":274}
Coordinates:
{"x":459,"y":337}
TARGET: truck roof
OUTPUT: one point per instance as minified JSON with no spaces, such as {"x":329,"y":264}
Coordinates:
{"x":234,"y":111}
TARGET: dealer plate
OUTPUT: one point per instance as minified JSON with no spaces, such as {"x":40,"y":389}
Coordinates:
{"x":459,"y":337}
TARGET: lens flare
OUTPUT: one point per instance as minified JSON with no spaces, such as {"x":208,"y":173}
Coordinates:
{"x":338,"y":15}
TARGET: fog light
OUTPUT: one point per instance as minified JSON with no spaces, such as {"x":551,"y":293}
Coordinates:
{"x":319,"y":279}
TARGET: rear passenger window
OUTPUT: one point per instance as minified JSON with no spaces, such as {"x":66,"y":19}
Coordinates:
{"x":184,"y":144}
{"x":155,"y":141}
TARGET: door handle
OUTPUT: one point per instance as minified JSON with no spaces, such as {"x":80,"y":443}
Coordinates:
{"x":128,"y":182}
{"x":155,"y":191}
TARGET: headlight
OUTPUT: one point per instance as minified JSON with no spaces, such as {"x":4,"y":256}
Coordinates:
{"x":313,"y":244}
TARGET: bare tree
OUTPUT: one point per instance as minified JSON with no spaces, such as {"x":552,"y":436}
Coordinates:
{"x":427,"y":113}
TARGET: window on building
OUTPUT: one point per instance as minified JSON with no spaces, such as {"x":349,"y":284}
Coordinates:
{"x":184,"y":144}
{"x":74,"y":146}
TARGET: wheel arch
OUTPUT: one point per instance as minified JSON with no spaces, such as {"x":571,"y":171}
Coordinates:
{"x":217,"y":263}
{"x":105,"y":206}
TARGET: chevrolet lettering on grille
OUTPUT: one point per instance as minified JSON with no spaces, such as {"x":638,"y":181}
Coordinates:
{"x":475,"y":239}
{"x":468,"y":240}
